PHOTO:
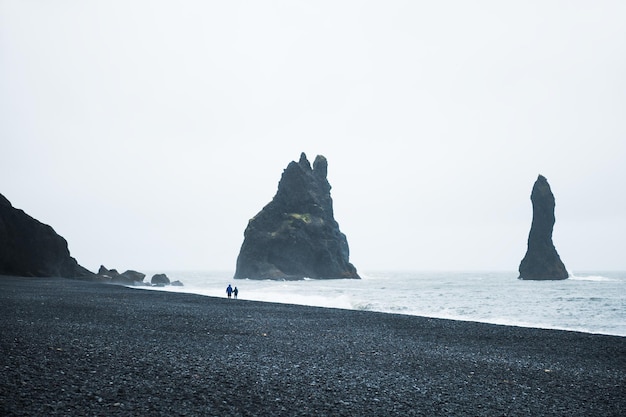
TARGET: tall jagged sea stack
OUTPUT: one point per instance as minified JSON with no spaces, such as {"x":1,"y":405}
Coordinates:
{"x":296,"y":236}
{"x":542,"y":262}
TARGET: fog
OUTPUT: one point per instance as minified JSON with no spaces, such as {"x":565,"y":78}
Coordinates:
{"x":148,"y":133}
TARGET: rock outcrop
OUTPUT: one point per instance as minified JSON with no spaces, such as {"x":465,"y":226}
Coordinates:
{"x":134,"y":278}
{"x":542,"y":262}
{"x":160,"y":280}
{"x":130,"y":277}
{"x":107,"y":273}
{"x":295,"y":236}
{"x":32,"y":249}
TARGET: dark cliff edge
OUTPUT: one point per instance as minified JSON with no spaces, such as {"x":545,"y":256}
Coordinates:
{"x":295,"y":236}
{"x":542,"y":262}
{"x":29,"y":248}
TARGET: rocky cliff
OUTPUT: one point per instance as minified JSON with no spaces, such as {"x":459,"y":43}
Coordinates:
{"x":542,"y":262}
{"x":33,"y":249}
{"x":295,"y":236}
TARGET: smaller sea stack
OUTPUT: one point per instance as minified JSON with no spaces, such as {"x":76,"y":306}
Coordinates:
{"x":295,"y":236}
{"x":542,"y":262}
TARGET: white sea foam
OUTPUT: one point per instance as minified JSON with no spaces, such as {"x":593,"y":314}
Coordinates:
{"x":589,"y":277}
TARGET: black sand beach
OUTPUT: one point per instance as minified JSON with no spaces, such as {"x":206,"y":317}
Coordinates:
{"x":86,"y":349}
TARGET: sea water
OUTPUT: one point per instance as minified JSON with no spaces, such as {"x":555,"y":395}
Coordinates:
{"x":593,"y":302}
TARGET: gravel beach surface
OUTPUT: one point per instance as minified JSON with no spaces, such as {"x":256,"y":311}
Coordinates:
{"x":73,"y":348}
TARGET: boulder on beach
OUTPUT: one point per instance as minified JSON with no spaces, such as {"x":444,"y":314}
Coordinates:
{"x":296,"y":236}
{"x":107,"y":273}
{"x":542,"y":262}
{"x":160,"y":280}
{"x":33,"y":249}
{"x":130,"y":277}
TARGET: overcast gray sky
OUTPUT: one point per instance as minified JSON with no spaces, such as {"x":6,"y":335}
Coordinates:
{"x":147,"y":133}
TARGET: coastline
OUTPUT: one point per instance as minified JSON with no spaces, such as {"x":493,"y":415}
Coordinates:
{"x":76,"y":348}
{"x":585,"y":303}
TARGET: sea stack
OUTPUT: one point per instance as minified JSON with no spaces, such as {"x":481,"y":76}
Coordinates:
{"x":542,"y":262}
{"x":296,"y":236}
{"x":30,"y":248}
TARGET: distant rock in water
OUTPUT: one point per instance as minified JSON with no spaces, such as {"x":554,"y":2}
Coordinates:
{"x":30,"y":248}
{"x":129,"y":277}
{"x":542,"y":262}
{"x":296,"y":236}
{"x":107,"y":273}
{"x":160,"y":280}
{"x":135,"y":278}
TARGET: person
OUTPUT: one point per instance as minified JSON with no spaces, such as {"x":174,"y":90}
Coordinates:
{"x":235,"y":292}
{"x":229,"y":290}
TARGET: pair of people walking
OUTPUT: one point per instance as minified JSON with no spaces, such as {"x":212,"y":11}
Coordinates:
{"x":230,"y":291}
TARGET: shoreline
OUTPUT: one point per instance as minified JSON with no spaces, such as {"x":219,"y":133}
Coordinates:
{"x":73,"y":347}
{"x":421,"y":298}
{"x":460,"y":319}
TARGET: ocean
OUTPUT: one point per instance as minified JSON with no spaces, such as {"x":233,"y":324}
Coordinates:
{"x":591,"y":302}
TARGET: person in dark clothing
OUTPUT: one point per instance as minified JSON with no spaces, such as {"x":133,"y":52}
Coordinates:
{"x":229,"y":290}
{"x":235,"y":292}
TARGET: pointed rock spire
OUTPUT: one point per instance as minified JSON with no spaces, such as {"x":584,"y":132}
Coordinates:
{"x":304,"y":162}
{"x":320,"y":166}
{"x":542,"y":262}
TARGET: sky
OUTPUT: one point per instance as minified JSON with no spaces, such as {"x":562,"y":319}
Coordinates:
{"x":148,"y":133}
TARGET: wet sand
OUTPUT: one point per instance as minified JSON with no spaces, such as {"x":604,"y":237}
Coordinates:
{"x":89,"y":349}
